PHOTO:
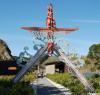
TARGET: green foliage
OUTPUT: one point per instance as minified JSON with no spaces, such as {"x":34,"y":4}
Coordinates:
{"x":94,"y":51}
{"x":70,"y":82}
{"x":74,"y":84}
{"x":15,"y":89}
{"x":87,"y":61}
{"x":74,"y":57}
{"x":93,"y":58}
{"x":95,"y":80}
{"x":29,"y":77}
{"x":20,"y":88}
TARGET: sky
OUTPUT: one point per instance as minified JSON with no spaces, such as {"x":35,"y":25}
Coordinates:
{"x":84,"y":14}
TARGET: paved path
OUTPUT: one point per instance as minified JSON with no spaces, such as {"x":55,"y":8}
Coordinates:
{"x":45,"y":87}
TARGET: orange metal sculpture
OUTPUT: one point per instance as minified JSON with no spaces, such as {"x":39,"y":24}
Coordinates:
{"x":50,"y":29}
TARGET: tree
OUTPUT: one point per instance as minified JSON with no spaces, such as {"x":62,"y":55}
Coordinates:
{"x":94,"y":52}
{"x":94,"y":56}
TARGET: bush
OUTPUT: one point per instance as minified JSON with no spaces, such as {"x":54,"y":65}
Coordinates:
{"x":20,"y":88}
{"x":95,"y":80}
{"x":74,"y":84}
{"x":29,"y":77}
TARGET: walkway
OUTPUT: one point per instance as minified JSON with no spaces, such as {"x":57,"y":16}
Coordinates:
{"x":45,"y":87}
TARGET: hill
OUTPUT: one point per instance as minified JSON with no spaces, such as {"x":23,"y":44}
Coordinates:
{"x":5,"y":53}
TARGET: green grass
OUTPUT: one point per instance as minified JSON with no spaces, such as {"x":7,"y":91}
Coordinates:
{"x":74,"y":84}
{"x":20,"y":88}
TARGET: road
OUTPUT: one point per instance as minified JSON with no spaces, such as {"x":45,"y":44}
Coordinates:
{"x":44,"y":87}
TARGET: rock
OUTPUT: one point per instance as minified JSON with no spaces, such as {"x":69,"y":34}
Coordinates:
{"x":5,"y":53}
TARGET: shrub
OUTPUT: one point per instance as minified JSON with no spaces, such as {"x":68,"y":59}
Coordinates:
{"x":74,"y":84}
{"x":20,"y":88}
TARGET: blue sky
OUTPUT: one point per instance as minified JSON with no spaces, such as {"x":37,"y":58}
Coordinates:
{"x":84,"y":14}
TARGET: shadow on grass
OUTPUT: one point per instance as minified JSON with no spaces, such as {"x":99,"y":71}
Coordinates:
{"x":20,"y":88}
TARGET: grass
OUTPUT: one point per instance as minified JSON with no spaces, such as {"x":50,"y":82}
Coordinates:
{"x":74,"y":84}
{"x":20,"y":88}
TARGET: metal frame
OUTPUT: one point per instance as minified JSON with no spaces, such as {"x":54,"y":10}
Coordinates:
{"x":35,"y":61}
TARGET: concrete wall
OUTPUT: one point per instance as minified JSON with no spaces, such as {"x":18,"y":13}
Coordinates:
{"x":50,"y":69}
